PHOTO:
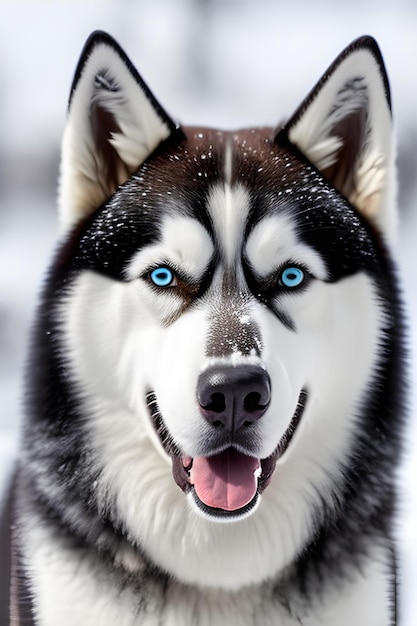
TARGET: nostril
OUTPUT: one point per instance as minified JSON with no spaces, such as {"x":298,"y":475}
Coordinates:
{"x":216,"y":403}
{"x":253,"y":402}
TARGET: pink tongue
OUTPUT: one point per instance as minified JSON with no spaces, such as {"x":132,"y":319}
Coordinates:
{"x":225,"y":481}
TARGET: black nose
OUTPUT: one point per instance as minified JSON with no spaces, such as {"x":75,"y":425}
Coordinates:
{"x":233,"y":397}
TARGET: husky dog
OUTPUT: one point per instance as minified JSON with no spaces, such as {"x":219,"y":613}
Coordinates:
{"x":213,"y":407}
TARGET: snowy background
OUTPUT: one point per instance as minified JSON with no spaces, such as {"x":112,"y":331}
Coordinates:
{"x":215,"y":62}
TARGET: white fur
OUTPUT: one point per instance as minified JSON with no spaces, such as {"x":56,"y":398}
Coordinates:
{"x":184,"y":243}
{"x":229,"y":209}
{"x":373,"y":188}
{"x":82,"y":185}
{"x":70,"y":585}
{"x":273,"y":241}
{"x":120,"y":348}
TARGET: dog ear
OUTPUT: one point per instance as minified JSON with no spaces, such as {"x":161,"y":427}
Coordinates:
{"x":344,"y":128}
{"x":114,"y":123}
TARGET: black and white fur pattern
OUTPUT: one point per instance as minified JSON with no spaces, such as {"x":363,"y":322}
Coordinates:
{"x":110,"y":527}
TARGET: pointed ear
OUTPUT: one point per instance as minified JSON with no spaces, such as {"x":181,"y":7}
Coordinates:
{"x":344,"y":128}
{"x":114,"y":123}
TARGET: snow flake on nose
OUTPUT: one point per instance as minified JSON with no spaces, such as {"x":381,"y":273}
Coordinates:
{"x":233,"y":332}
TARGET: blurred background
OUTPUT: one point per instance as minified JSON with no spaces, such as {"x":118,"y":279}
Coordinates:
{"x":216,"y":62}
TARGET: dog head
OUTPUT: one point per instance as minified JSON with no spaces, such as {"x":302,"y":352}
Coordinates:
{"x":218,"y":300}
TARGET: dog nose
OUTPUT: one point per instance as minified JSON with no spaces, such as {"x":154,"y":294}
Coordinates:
{"x":232,"y":397}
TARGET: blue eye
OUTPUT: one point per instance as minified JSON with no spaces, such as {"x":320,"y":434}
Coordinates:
{"x":162,"y":276}
{"x":292,"y":277}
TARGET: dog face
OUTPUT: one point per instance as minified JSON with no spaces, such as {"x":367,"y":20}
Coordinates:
{"x":219,"y":309}
{"x":217,"y":328}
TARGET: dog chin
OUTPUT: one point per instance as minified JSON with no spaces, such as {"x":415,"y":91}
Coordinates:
{"x":221,"y":516}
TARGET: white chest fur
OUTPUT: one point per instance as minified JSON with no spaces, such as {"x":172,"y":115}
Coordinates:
{"x":72,"y":587}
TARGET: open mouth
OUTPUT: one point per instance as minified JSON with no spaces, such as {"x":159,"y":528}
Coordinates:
{"x":226,"y":484}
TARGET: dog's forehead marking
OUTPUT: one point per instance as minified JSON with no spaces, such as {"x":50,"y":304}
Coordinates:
{"x":228,"y":206}
{"x":275,"y":240}
{"x":184,"y":242}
